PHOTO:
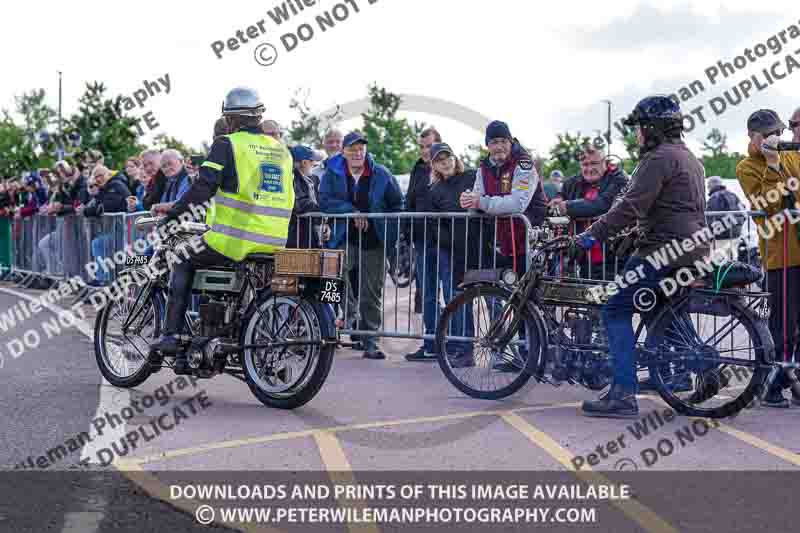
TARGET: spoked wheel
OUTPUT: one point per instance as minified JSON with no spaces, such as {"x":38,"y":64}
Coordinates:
{"x":122,"y":353}
{"x":485,"y":360}
{"x":289,"y":376}
{"x":692,"y":336}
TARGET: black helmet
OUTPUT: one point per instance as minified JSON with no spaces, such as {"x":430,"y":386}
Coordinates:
{"x":659,"y":116}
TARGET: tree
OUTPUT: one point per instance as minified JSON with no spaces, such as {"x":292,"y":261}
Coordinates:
{"x":29,"y":145}
{"x":102,"y":125}
{"x":473,"y":155}
{"x":632,"y":148}
{"x":162,"y":141}
{"x":718,"y":162}
{"x":565,"y":155}
{"x":716,"y":143}
{"x":310,"y":127}
{"x":17,"y":152}
{"x":392,"y":140}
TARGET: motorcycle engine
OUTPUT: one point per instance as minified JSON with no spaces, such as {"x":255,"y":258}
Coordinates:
{"x":212,"y":318}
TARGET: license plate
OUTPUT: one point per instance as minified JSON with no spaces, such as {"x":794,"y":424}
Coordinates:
{"x":137,"y":260}
{"x":330,"y":292}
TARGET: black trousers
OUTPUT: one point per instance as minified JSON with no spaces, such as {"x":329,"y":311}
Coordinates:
{"x":776,"y":318}
{"x":180,"y":285}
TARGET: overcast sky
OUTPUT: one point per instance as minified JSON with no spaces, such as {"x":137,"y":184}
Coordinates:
{"x":544,"y":67}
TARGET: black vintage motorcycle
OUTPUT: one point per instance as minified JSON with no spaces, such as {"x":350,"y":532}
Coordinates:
{"x":266,"y":321}
{"x":706,"y":347}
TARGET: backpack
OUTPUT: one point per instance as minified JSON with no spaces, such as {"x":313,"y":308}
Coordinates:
{"x":726,"y":201}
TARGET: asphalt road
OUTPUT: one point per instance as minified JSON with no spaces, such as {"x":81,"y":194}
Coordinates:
{"x":371,"y":416}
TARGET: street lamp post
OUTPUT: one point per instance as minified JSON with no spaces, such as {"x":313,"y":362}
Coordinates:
{"x":609,"y":125}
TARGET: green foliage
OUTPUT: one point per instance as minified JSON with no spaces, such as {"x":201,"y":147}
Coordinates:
{"x":719,"y":162}
{"x":564,"y":155}
{"x":162,"y":141}
{"x":103,"y":125}
{"x":309,"y":127}
{"x":473,"y":155}
{"x":716,"y":143}
{"x":17,"y":152}
{"x":392,"y":140}
{"x":20,"y":144}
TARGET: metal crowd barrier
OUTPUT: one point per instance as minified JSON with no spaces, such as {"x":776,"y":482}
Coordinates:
{"x":58,"y":248}
{"x":475,"y":246}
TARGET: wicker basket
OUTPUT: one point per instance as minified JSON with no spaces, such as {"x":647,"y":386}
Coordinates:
{"x":310,"y":263}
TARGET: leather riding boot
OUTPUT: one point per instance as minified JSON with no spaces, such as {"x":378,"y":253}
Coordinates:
{"x":177,"y":304}
{"x":618,"y":402}
{"x":793,"y":384}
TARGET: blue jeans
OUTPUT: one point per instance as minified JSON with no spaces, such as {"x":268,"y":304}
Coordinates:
{"x":426,"y":273}
{"x":101,"y":247}
{"x":462,"y":324}
{"x":618,"y":317}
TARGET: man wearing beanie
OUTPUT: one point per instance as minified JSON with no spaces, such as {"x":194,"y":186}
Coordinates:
{"x":507,"y":184}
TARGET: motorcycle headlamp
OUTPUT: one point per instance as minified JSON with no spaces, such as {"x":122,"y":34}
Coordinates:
{"x":509,"y":277}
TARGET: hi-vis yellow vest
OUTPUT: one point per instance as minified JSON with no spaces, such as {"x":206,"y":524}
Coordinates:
{"x":256,"y":218}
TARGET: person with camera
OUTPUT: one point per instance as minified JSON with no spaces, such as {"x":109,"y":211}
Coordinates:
{"x":762,"y":173}
{"x":667,"y":201}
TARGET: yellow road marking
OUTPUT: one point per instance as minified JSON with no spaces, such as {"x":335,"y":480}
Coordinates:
{"x":747,"y":438}
{"x":169,"y":454}
{"x":159,"y":490}
{"x":761,"y":444}
{"x":633,"y":509}
{"x":340,"y":472}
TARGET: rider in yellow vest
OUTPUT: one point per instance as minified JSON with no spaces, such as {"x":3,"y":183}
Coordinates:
{"x":249,"y":177}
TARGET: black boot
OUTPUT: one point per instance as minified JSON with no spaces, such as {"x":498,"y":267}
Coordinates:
{"x":774,"y":398}
{"x":793,"y":385}
{"x":618,"y":402}
{"x":180,"y":294}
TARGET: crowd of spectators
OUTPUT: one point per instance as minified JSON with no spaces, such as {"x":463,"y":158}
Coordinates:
{"x":89,"y":188}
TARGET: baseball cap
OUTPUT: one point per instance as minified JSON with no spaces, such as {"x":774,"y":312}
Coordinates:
{"x":765,"y":121}
{"x":556,"y":174}
{"x":440,"y":148}
{"x":304,"y":153}
{"x":352,"y":138}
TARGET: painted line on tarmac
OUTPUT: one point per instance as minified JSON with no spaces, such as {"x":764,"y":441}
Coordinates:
{"x":157,"y":489}
{"x":761,"y":444}
{"x":340,"y":472}
{"x":84,"y":521}
{"x":749,"y":439}
{"x":633,"y":509}
{"x":194,"y":450}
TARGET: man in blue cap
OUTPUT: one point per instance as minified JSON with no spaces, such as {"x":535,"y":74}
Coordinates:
{"x":306,"y":196}
{"x":354,"y":183}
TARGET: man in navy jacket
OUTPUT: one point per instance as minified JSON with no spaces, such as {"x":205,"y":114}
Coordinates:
{"x":354,"y":183}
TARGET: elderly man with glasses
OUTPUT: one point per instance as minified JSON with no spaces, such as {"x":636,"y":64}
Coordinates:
{"x":177,"y":180}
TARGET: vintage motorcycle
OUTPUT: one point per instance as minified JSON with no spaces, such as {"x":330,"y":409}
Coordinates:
{"x":706,"y":347}
{"x":266,"y":321}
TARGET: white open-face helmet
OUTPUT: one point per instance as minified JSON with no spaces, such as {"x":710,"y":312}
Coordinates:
{"x":243,"y":101}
